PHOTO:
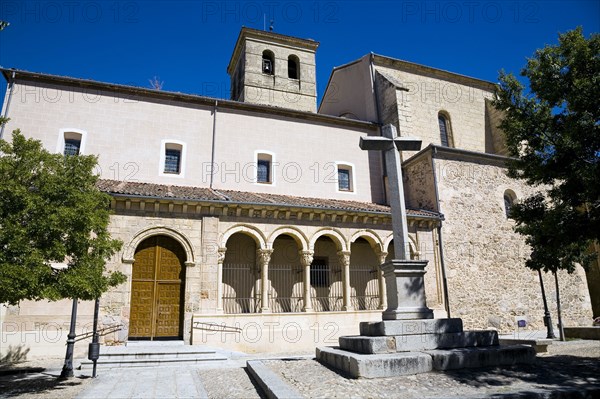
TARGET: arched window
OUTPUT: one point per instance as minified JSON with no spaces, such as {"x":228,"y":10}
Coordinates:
{"x":445,"y":130}
{"x":268,"y":62}
{"x":509,"y":200}
{"x":293,"y":67}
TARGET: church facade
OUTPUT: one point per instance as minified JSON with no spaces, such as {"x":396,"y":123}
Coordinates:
{"x":257,"y":221}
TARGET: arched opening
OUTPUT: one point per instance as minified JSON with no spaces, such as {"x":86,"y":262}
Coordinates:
{"x":364,"y":284}
{"x":268,"y":62}
{"x":327,"y":291}
{"x":509,"y":200}
{"x":285,"y":276}
{"x":241,"y":277}
{"x":293,"y":67}
{"x":446,"y":138}
{"x":157,"y":290}
{"x":392,"y":253}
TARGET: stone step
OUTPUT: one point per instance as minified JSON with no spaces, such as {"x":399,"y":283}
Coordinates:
{"x":410,"y":327}
{"x":411,"y":343}
{"x":451,"y":359}
{"x":151,"y":355}
{"x":539,"y":344}
{"x":104,"y":363}
{"x":359,"y":365}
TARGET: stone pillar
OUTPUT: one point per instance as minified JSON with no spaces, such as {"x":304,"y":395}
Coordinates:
{"x":381,"y":280}
{"x":220,"y":259}
{"x":344,"y":257}
{"x":263,"y":256}
{"x":306,"y":258}
{"x":405,"y":290}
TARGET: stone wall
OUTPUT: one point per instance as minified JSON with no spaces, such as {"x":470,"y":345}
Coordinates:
{"x":485,"y":259}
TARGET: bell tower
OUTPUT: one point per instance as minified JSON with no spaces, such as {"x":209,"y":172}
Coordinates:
{"x":273,"y":69}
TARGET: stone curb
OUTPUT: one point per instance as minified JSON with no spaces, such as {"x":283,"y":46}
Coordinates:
{"x":273,"y":386}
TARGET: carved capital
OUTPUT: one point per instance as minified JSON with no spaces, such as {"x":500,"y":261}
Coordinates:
{"x":221,"y":255}
{"x":306,"y":258}
{"x":344,"y":257}
{"x":263,"y":256}
{"x":382,"y":255}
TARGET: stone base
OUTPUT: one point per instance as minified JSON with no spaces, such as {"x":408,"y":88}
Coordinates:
{"x":410,"y":327}
{"x":540,"y":344}
{"x":358,"y":365}
{"x":375,"y":366}
{"x":400,"y":347}
{"x":582,"y":332}
{"x":420,"y":342}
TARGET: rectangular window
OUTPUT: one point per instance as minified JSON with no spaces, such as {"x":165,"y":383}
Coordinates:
{"x":344,"y":179}
{"x":319,"y":272}
{"x":172,"y":161}
{"x":72,"y":146}
{"x":263,"y":173}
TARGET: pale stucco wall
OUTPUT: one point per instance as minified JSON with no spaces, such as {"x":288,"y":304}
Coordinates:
{"x":127,"y":135}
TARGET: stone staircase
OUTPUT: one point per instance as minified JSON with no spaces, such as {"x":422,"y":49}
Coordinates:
{"x":152,"y":354}
{"x":402,"y":347}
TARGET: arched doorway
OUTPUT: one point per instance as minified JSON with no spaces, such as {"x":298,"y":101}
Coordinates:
{"x":157,"y":290}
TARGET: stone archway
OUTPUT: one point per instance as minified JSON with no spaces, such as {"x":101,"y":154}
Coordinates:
{"x":157,"y":289}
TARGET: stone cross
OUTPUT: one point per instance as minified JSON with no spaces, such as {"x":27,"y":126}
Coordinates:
{"x":404,"y":278}
{"x":391,"y":144}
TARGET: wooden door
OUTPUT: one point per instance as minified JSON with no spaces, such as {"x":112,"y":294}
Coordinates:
{"x":157,"y":289}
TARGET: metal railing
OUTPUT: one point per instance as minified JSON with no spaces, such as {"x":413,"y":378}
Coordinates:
{"x":285,"y":288}
{"x":364,"y":287}
{"x":241,"y":289}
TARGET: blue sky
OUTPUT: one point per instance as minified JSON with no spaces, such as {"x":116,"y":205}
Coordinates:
{"x":188,"y":43}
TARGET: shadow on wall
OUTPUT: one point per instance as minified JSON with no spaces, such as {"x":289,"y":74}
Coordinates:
{"x":14,"y":355}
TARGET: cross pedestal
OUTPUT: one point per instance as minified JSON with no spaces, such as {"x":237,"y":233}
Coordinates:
{"x":404,"y":278}
{"x":409,"y":340}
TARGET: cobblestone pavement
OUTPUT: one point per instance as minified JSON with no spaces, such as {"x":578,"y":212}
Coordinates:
{"x":229,"y":383}
{"x":568,"y":365}
{"x":573,"y":364}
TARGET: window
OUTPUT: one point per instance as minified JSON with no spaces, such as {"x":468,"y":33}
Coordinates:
{"x":445,"y":130}
{"x":264,"y":167}
{"x":71,"y":142}
{"x":509,"y":200}
{"x":172,"y":158}
{"x":172,"y":161}
{"x":345,"y":178}
{"x":268,"y":62}
{"x":293,"y":70}
{"x":319,"y":272}
{"x":72,"y":146}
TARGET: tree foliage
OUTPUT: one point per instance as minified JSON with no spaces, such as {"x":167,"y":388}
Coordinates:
{"x":553,"y":132}
{"x":52,"y":212}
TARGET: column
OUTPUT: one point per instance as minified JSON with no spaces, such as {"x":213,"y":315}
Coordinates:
{"x":263,"y":256}
{"x":306,"y":258}
{"x":220,"y":259}
{"x":344,"y":257}
{"x":381,"y":280}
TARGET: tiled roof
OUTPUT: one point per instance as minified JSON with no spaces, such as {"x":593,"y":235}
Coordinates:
{"x":163,"y":191}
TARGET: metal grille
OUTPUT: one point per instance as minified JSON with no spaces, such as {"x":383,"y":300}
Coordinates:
{"x":172,"y":158}
{"x":72,"y":147}
{"x":365,"y":288}
{"x":327,"y":288}
{"x":286,"y":289}
{"x":241,"y":289}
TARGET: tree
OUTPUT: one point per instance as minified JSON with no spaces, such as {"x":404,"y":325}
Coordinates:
{"x":52,"y":212}
{"x":553,"y":132}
